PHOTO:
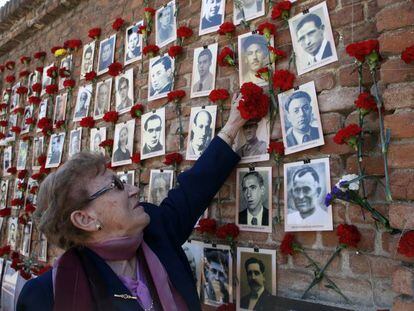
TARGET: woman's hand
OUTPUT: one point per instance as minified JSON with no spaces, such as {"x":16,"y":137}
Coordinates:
{"x":234,"y":123}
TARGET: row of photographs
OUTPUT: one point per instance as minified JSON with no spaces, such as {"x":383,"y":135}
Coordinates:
{"x":212,"y":268}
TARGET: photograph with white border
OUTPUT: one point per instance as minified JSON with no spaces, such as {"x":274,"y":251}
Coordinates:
{"x":161,"y":181}
{"x":123,"y":147}
{"x":4,"y":189}
{"x":127,"y":177}
{"x":98,"y":135}
{"x":42,"y":111}
{"x":42,"y":248}
{"x":106,"y":54}
{"x":7,"y":160}
{"x":248,"y":10}
{"x":83,"y":101}
{"x":102,"y":98}
{"x":22,"y":155}
{"x":37,"y":151}
{"x":8,"y":287}
{"x":212,"y":16}
{"x":153,"y":134}
{"x":87,"y":59}
{"x":165,"y":24}
{"x":60,"y":108}
{"x":75,"y":141}
{"x":194,"y":252}
{"x":124,"y":91}
{"x":67,"y":63}
{"x":27,"y":114}
{"x":12,"y":232}
{"x":133,"y":43}
{"x":55,"y":150}
{"x":160,"y":78}
{"x":204,"y":70}
{"x":26,"y":237}
{"x":46,"y":80}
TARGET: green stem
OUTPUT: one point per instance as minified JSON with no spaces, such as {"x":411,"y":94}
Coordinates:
{"x":180,"y":125}
{"x":279,"y":217}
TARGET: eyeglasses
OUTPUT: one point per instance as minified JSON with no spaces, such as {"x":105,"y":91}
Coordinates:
{"x":116,"y":183}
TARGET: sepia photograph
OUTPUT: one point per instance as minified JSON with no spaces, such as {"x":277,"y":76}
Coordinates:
{"x":194,"y":252}
{"x":165,"y":24}
{"x":4,"y":188}
{"x":66,"y":63}
{"x":22,"y":155}
{"x":102,"y":98}
{"x":60,"y":107}
{"x":75,"y":141}
{"x":55,"y":150}
{"x":106,"y":54}
{"x":212,"y":16}
{"x":201,"y":130}
{"x":123,"y":143}
{"x":312,"y":39}
{"x":127,"y":177}
{"x":133,"y":43}
{"x":300,"y":119}
{"x":87,"y":58}
{"x":82,"y":102}
{"x":124,"y":94}
{"x":160,"y":81}
{"x":153,"y":134}
{"x":256,"y":272}
{"x":27,"y":115}
{"x":161,"y":181}
{"x":305,"y":189}
{"x":26,"y":237}
{"x":246,"y":10}
{"x":7,"y":160}
{"x":204,"y":70}
{"x":37,"y":151}
{"x":12,"y":228}
{"x":97,"y":136}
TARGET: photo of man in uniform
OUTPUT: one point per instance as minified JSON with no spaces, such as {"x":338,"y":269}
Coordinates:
{"x":216,"y":276}
{"x":200,"y":133}
{"x":254,"y":56}
{"x":212,"y":17}
{"x":165,"y":22}
{"x":152,"y":134}
{"x":253,"y":146}
{"x":161,"y":76}
{"x":206,"y":78}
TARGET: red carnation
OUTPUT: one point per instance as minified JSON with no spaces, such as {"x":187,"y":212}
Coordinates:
{"x":226,"y":57}
{"x":254,"y":103}
{"x":22,"y":174}
{"x":174,"y":158}
{"x":90,"y":76}
{"x":59,"y":124}
{"x":111,"y":116}
{"x":44,"y":123}
{"x":2,"y":135}
{"x":275,"y":54}
{"x":16,"y":264}
{"x":281,"y":9}
{"x":25,"y":60}
{"x":64,"y":72}
{"x":175,"y":50}
{"x":2,"y":68}
{"x":69,"y":84}
{"x":39,"y":69}
{"x":24,"y":73}
{"x":94,"y":33}
{"x":348,"y":135}
{"x":16,"y":202}
{"x":184,"y":32}
{"x":26,"y":137}
{"x":408,"y":55}
{"x":37,"y":87}
{"x":4,"y":123}
{"x":362,"y":50}
{"x":55,"y":48}
{"x":29,"y":121}
{"x":16,"y":129}
{"x":267,"y":29}
{"x":5,"y":212}
{"x":73,"y":44}
{"x":143,"y":30}
{"x":218,"y":95}
{"x":22,"y":90}
{"x":12,"y":170}
{"x":176,"y":96}
{"x":5,"y":250}
{"x":137,"y":111}
{"x":228,"y":232}
{"x":366,"y":103}
{"x":151,"y":50}
{"x":51,"y":89}
{"x":348,"y":235}
{"x":29,"y":208}
{"x":34,"y":100}
{"x":277,"y":148}
{"x":52,"y":72}
{"x":136,"y":158}
{"x":39,"y":55}
{"x":40,"y":271}
{"x":88,"y":122}
{"x":18,"y":110}
{"x":115,"y":69}
{"x":25,"y":275}
{"x":149,"y":13}
{"x":283,"y":79}
{"x":406,"y":244}
{"x":41,"y":159}
{"x":10,"y":79}
{"x":286,"y":247}
{"x":207,"y":225}
{"x":226,"y":29}
{"x":10,"y":64}
{"x":263,"y":73}
{"x":33,"y":189}
{"x":3,"y":106}
{"x":117,"y":24}
{"x":107,"y":143}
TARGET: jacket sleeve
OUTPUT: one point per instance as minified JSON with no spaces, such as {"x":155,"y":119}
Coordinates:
{"x":196,"y":188}
{"x":37,"y":294}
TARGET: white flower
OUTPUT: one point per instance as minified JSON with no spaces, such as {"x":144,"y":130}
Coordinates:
{"x":352,"y":186}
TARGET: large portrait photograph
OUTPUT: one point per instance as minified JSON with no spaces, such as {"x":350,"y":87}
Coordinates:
{"x":247,"y":10}
{"x":55,"y":150}
{"x":204,"y":70}
{"x":98,"y":135}
{"x":161,"y":181}
{"x":22,"y":155}
{"x":194,"y":252}
{"x":305,"y":189}
{"x":153,"y":134}
{"x":87,"y":58}
{"x":7,"y":160}
{"x":124,"y":95}
{"x":254,"y":199}
{"x":160,"y":81}
{"x":123,"y":143}
{"x":133,"y":43}
{"x":256,"y":272}
{"x":212,"y":15}
{"x":37,"y":151}
{"x":312,"y":39}
{"x":106,"y":54}
{"x":75,"y":141}
{"x":201,"y":130}
{"x":83,"y":101}
{"x":102,"y":98}
{"x":300,"y":119}
{"x":60,"y":108}
{"x":165,"y":24}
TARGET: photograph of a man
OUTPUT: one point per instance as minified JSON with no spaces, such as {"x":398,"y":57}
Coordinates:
{"x":54,"y":153}
{"x":87,"y":59}
{"x":60,"y":108}
{"x":28,"y":113}
{"x":37,"y":151}
{"x":194,"y":253}
{"x":75,"y":141}
{"x":27,"y":238}
{"x":127,"y":177}
{"x":97,"y":136}
{"x":254,"y":145}
{"x":22,"y":155}
{"x":204,"y":70}
{"x":106,"y":54}
{"x":165,"y":24}
{"x":4,"y":187}
{"x":82,"y":102}
{"x":160,"y":77}
{"x":133,"y":43}
{"x":7,"y":160}
{"x":212,"y":15}
{"x":160,"y":183}
{"x":46,"y":80}
{"x":67,"y":64}
{"x":42,"y":247}
{"x":306,"y":188}
{"x":124,"y":91}
{"x":153,"y":134}
{"x":102,"y":98}
{"x":12,"y":233}
{"x":248,"y":10}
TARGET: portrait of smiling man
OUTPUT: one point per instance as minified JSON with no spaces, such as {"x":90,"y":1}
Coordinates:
{"x":160,"y":79}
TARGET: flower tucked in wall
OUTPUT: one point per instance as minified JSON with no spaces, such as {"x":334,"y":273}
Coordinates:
{"x":283,"y":80}
{"x":263,"y":73}
{"x":151,"y":50}
{"x":94,"y":33}
{"x":118,"y":23}
{"x":34,"y":100}
{"x":69,"y":84}
{"x":228,"y":232}
{"x":348,"y":135}
{"x":267,"y":29}
{"x":52,"y":72}
{"x":39,"y":69}
{"x":72,"y":44}
{"x":16,"y":129}
{"x":55,"y":48}
{"x":176,"y":96}
{"x":115,"y":69}
{"x":107,"y":145}
{"x":10,"y":79}
{"x":275,"y":54}
{"x":24,"y":73}
{"x":227,"y":29}
{"x":281,"y":9}
{"x":90,"y":76}
{"x":137,"y":110}
{"x":12,"y":170}
{"x":87,"y":122}
{"x":218,"y":95}
{"x":39,"y":55}
{"x":175,"y":50}
{"x":184,"y":32}
{"x":4,"y":123}
{"x":22,"y":90}
{"x":277,"y":149}
{"x":25,"y":60}
{"x":52,"y":89}
{"x":143,"y":30}
{"x":364,"y":50}
{"x":59,"y":124}
{"x":64,"y":72}
{"x":254,"y":103}
{"x":29,"y":208}
{"x":10,"y":64}
{"x":5,"y":212}
{"x":174,"y":158}
{"x":348,"y":235}
{"x":111,"y":116}
{"x":37,"y":87}
{"x":366,"y":103}
{"x":2,"y":68}
{"x":287,"y":245}
{"x":29,"y":121}
{"x":22,"y":174}
{"x":136,"y":158}
{"x":207,"y":225}
{"x":18,"y":110}
{"x":408,"y":55}
{"x":226,"y":57}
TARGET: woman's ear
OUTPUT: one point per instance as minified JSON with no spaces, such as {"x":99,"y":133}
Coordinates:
{"x":82,"y":220}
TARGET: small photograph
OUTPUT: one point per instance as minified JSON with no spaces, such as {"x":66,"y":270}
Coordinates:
{"x":12,"y":228}
{"x":15,"y":97}
{"x":102,"y":98}
{"x":194,"y":252}
{"x":123,"y":143}
{"x":46,"y":80}
{"x":60,"y":108}
{"x":252,"y":141}
{"x":42,"y":110}
{"x":55,"y":150}
{"x":106,"y":54}
{"x":312,"y":39}
{"x":217,"y":275}
{"x":300,"y":119}
{"x":22,"y":155}
{"x":256,"y":272}
{"x":153,"y":134}
{"x":204,"y":70}
{"x":165,"y":24}
{"x":254,"y":54}
{"x":212,"y":16}
{"x":17,"y":192}
{"x":11,"y":136}
{"x":82,"y":102}
{"x":247,"y":10}
{"x":97,"y":136}
{"x":8,"y":288}
{"x":31,"y":197}
{"x":66,"y":62}
{"x":127,"y":177}
{"x":4,"y":188}
{"x":75,"y":141}
{"x":124,"y":95}
{"x":201,"y":130}
{"x":42,"y":248}
{"x":37,"y":151}
{"x":7,"y":160}
{"x":161,"y":181}
{"x":160,"y":81}
{"x":26,"y":239}
{"x":28,"y":113}
{"x":254,"y":199}
{"x":305,"y":189}
{"x":34,"y":77}
{"x":133,"y":43}
{"x":87,"y":58}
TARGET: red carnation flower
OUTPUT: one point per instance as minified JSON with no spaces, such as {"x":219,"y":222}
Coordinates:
{"x":41,"y":159}
{"x":10,"y":64}
{"x":90,"y":76}
{"x":111,"y":116}
{"x":52,"y":72}
{"x":283,"y":79}
{"x":17,"y":202}
{"x":22,"y":174}
{"x":10,"y":79}
{"x":29,"y":208}
{"x":115,"y":69}
{"x":39,"y":69}
{"x":362,"y":50}
{"x":149,"y":13}
{"x":51,"y":89}
{"x":5,"y":250}
{"x":174,"y":158}
{"x":21,"y":185}
{"x":37,"y":87}
{"x":5,"y":212}
{"x":22,"y":90}
{"x":94,"y":33}
{"x":40,"y":271}
{"x":2,"y":135}
{"x":226,"y":29}
{"x":69,"y":83}
{"x":348,"y":235}
{"x":348,"y":135}
{"x":29,"y":121}
{"x":366,"y":103}
{"x":39,"y":55}
{"x":176,"y":96}
{"x":218,"y":95}
{"x":2,"y":68}
{"x":24,"y":73}
{"x":107,"y":143}
{"x":277,"y":148}
{"x":12,"y":170}
{"x":275,"y":54}
{"x":25,"y":275}
{"x":88,"y":122}
{"x":286,"y":247}
{"x":44,"y":123}
{"x":136,"y":158}
{"x":64,"y":72}
{"x":55,"y":48}
{"x":33,"y":189}
{"x":143,"y":30}
{"x":16,"y":264}
{"x":25,"y":137}
{"x":25,"y":60}
{"x":406,"y":244}
{"x":59,"y":124}
{"x":34,"y":100}
{"x":137,"y":111}
{"x":184,"y":32}
{"x":263,"y":73}
{"x":267,"y":29}
{"x":226,"y":57}
{"x":4,"y":123}
{"x":18,"y":110}
{"x":207,"y":225}
{"x":16,"y":129}
{"x":281,"y":9}
{"x":408,"y":55}
{"x":228,"y":232}
{"x":175,"y":50}
{"x":151,"y":50}
{"x":3,"y":106}
{"x":254,"y":103}
{"x":117,"y":24}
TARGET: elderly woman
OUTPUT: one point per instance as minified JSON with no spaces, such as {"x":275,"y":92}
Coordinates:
{"x":122,"y":254}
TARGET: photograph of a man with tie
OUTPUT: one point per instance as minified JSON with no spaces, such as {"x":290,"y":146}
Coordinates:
{"x":204,"y":70}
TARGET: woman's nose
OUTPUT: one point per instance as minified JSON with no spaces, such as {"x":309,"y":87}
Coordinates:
{"x":132,"y":190}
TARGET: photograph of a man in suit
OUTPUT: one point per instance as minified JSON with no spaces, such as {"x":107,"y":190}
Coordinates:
{"x":254,"y":193}
{"x":310,"y":35}
{"x":250,"y":9}
{"x":204,"y":61}
{"x":254,"y":56}
{"x":123,"y":90}
{"x":253,"y":145}
{"x":298,"y":111}
{"x":161,"y":76}
{"x":102,"y":98}
{"x":216,"y":276}
{"x":56,"y":149}
{"x":160,"y":186}
{"x":211,"y":14}
{"x":259,"y":297}
{"x":82,"y":105}
{"x":152,"y":134}
{"x":165,"y":27}
{"x":106,"y":57}
{"x":201,"y":133}
{"x":87,"y":61}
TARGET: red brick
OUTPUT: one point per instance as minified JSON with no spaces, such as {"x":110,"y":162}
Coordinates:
{"x":383,"y":3}
{"x":403,"y":281}
{"x":332,"y":148}
{"x":395,"y":70}
{"x":401,"y":216}
{"x":337,"y":99}
{"x":387,"y":17}
{"x":331,"y":122}
{"x":370,"y":121}
{"x":372,"y":165}
{"x":329,"y":239}
{"x":291,"y":281}
{"x":306,"y":238}
{"x":320,"y":257}
{"x":356,"y":214}
{"x":401,"y":124}
{"x":323,"y":81}
{"x":348,"y":76}
{"x":403,"y":304}
{"x":399,"y":179}
{"x":364,"y":31}
{"x":347,"y":15}
{"x":399,"y":96}
{"x":401,"y":156}
{"x":396,"y":41}
{"x":366,"y":264}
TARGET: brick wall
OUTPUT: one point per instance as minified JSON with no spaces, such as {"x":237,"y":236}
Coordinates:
{"x":377,"y":277}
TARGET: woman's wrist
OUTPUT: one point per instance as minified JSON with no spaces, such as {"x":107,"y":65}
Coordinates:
{"x":228,"y":135}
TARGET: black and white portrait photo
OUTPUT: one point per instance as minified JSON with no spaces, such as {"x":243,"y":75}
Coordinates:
{"x":34,"y":77}
{"x":102,"y":98}
{"x":123,"y":143}
{"x":31,"y":197}
{"x":254,"y":199}
{"x":201,"y":130}
{"x":27,"y":114}
{"x":97,"y":136}
{"x":17,"y":192}
{"x":300,"y":119}
{"x":26,"y":237}
{"x":160,"y":81}
{"x":22,"y":155}
{"x":133,"y":43}
{"x":165,"y":24}
{"x":124,"y":95}
{"x":204,"y":70}
{"x":55,"y":150}
{"x":161,"y":181}
{"x":37,"y":151}
{"x":42,"y":111}
{"x":127,"y":177}
{"x":75,"y":141}
{"x":153,"y":134}
{"x":42,"y":255}
{"x":15,"y":97}
{"x":66,"y":63}
{"x":4,"y":189}
{"x":305,"y":189}
{"x":7,"y":159}
{"x":106,"y":54}
{"x":194,"y":252}
{"x":312,"y":39}
{"x":252,"y":141}
{"x":247,"y":10}
{"x":212,"y":15}
{"x":217,"y":275}
{"x":11,"y":136}
{"x":82,"y":102}
{"x":12,"y":228}
{"x":256,"y":272}
{"x":87,"y":58}
{"x":60,"y":107}
{"x":254,"y":54}
{"x":46,"y":80}
{"x":8,"y":287}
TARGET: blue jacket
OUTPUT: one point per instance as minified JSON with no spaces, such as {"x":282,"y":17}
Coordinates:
{"x":171,"y":225}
